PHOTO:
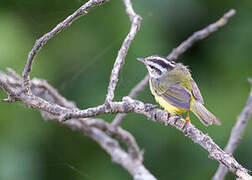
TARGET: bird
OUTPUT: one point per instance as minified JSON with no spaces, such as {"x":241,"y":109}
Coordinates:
{"x":175,"y":90}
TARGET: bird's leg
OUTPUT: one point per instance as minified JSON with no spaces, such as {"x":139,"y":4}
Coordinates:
{"x":187,"y":119}
{"x":167,"y":114}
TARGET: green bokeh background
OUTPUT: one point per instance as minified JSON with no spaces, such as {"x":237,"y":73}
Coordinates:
{"x":78,"y":62}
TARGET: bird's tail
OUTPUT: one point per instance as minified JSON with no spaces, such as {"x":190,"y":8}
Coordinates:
{"x":206,"y":117}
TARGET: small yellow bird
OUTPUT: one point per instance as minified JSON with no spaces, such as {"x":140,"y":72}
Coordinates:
{"x":175,"y":90}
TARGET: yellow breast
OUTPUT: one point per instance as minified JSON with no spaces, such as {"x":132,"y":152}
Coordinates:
{"x":167,"y":106}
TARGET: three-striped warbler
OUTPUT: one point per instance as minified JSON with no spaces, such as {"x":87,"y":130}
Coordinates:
{"x":174,"y":89}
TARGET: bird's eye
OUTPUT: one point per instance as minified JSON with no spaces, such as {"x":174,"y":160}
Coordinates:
{"x":158,"y":71}
{"x":152,"y":67}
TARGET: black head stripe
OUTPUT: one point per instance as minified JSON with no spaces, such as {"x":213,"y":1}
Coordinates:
{"x":158,"y":71}
{"x":163,"y":64}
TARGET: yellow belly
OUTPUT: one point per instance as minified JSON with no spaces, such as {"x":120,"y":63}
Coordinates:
{"x":167,"y":106}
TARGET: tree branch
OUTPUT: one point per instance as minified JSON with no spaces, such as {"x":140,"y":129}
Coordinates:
{"x":201,"y":35}
{"x":97,"y":129}
{"x":236,"y":135}
{"x":83,"y":10}
{"x":135,"y":25}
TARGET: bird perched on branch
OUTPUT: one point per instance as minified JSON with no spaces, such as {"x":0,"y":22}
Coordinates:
{"x":175,"y":90}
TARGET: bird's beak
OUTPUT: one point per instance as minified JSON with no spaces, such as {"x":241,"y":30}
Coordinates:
{"x":141,"y":59}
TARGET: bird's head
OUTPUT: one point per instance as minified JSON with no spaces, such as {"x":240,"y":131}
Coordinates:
{"x":157,"y":65}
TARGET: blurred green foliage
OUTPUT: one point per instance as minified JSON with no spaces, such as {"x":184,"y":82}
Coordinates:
{"x":78,"y":62}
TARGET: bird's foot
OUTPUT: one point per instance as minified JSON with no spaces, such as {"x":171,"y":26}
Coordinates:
{"x":168,"y":114}
{"x":187,"y":120}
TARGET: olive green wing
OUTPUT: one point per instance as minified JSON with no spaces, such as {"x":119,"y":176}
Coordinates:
{"x":196,"y":92}
{"x":175,"y":94}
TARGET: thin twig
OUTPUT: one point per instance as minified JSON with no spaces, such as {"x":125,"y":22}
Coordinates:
{"x":134,"y":91}
{"x":83,"y":10}
{"x":135,"y":25}
{"x":132,"y":94}
{"x":201,"y":35}
{"x":236,"y":136}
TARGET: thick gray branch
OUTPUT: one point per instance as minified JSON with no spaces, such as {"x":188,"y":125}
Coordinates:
{"x":236,"y":136}
{"x":97,"y":129}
